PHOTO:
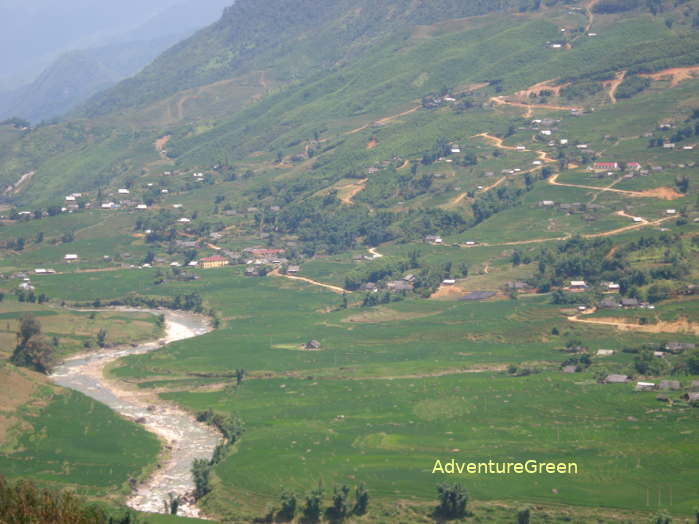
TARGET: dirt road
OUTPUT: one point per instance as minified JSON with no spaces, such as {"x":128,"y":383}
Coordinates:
{"x":335,"y":289}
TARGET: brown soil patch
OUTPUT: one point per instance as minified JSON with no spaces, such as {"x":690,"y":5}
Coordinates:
{"x":531,"y":107}
{"x":614,"y":85}
{"x":336,"y":289}
{"x":536,"y":89}
{"x":161,"y":143}
{"x":348,"y":192}
{"x":676,"y":74}
{"x":405,"y":165}
{"x":448,"y":292}
{"x":682,"y":325}
{"x":372,"y":144}
{"x":666,"y":193}
{"x":17,"y":389}
{"x":383,"y":121}
{"x":384,"y":314}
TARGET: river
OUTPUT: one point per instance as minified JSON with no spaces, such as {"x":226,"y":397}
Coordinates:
{"x":185,"y":439}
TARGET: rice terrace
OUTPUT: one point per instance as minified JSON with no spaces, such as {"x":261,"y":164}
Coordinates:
{"x":388,"y":261}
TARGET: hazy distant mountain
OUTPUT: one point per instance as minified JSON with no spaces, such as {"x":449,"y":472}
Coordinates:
{"x":76,"y":75}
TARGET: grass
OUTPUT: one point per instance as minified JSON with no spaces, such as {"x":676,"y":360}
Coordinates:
{"x":79,"y":442}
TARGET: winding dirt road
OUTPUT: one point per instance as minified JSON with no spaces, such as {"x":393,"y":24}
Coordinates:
{"x":335,"y":289}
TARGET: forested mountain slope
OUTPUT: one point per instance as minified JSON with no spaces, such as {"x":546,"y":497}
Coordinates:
{"x":290,"y":39}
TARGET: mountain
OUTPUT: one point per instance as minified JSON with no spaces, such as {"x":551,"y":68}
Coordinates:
{"x":78,"y":74}
{"x":33,"y":33}
{"x":290,"y":39}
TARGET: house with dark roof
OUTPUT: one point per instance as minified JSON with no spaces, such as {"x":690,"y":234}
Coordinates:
{"x":616,"y":379}
{"x":312,"y":345}
{"x":670,"y":385}
{"x":679,"y":347}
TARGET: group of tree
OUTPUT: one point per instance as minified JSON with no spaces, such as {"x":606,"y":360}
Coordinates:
{"x":340,"y":508}
{"x":231,"y":428}
{"x":32,"y":350}
{"x":25,"y":502}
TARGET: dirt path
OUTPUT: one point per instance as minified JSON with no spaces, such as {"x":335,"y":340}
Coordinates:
{"x":554,"y":182}
{"x":336,"y":289}
{"x":354,"y":190}
{"x":493,"y":185}
{"x":15,"y":188}
{"x":590,"y":14}
{"x":627,"y":228}
{"x":614,"y":85}
{"x":160,"y":146}
{"x":682,"y":325}
{"x":677,"y":74}
{"x":374,"y":252}
{"x":498,"y":100}
{"x":383,"y":121}
{"x":455,"y":201}
{"x":497,"y":141}
{"x":538,"y":88}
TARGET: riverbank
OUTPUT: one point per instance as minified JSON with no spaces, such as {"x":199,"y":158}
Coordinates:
{"x":184,"y":439}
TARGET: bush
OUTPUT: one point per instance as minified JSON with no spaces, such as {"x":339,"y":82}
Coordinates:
{"x":452,"y":501}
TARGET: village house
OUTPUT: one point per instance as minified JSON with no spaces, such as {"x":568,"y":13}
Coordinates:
{"x":605,"y":166}
{"x":679,"y":347}
{"x":670,"y":385}
{"x":628,"y":303}
{"x":518,"y":286}
{"x":616,"y":379}
{"x":546,"y":203}
{"x":71,"y":257}
{"x":293,"y":269}
{"x":448,"y":282}
{"x":691,"y":397}
{"x":123,"y":191}
{"x":609,"y":303}
{"x":399,"y":285}
{"x":312,"y":345}
{"x":605,"y":352}
{"x":578,"y":285}
{"x":213,"y":262}
{"x":433,"y":239}
{"x":644,"y":386}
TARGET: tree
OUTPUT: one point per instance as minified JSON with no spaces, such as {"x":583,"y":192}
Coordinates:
{"x":361,"y":503}
{"x":172,"y":503}
{"x":289,"y":503}
{"x":36,"y":354}
{"x":523,"y":516}
{"x":101,"y":337}
{"x":452,"y":501}
{"x":339,"y":508}
{"x":200,"y":472}
{"x":29,"y":327}
{"x":662,"y":518}
{"x":239,"y":376}
{"x":311,"y":510}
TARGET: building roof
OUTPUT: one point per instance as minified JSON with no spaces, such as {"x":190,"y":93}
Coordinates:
{"x":478,"y":295}
{"x":616,"y":379}
{"x":215,"y":258}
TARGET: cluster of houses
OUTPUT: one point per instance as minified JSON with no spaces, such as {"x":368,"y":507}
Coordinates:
{"x":692,"y":395}
{"x":407,"y":283}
